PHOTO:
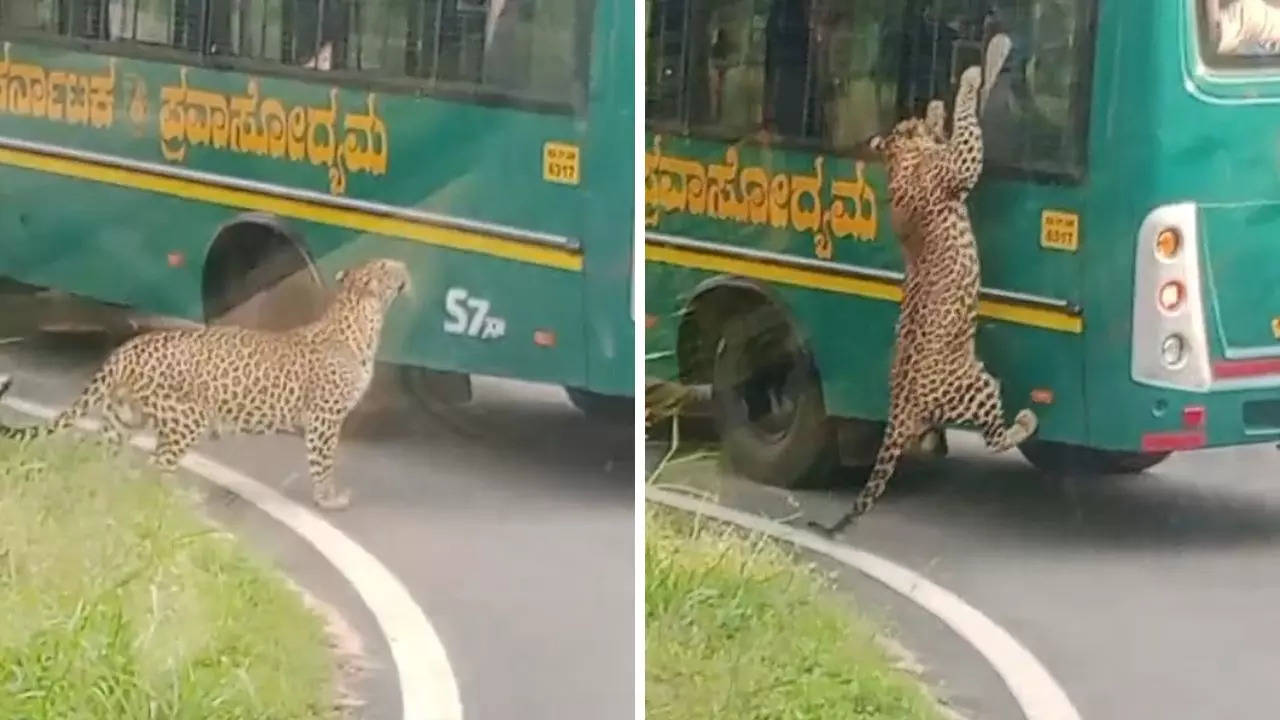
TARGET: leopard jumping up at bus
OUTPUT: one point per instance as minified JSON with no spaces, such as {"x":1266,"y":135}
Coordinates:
{"x":936,"y":377}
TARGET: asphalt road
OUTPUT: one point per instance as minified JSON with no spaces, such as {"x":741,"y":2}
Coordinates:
{"x":511,"y":523}
{"x":1153,"y":596}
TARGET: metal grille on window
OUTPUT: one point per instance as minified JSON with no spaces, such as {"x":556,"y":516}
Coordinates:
{"x":833,"y":72}
{"x":510,"y":44}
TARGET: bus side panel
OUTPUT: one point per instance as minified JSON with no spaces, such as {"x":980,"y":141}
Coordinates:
{"x":105,"y":242}
{"x":609,"y":205}
{"x":668,"y":291}
{"x":851,"y":328}
{"x":1038,"y":369}
{"x":459,"y":159}
{"x":852,"y":340}
{"x":478,"y":314}
{"x":131,"y":235}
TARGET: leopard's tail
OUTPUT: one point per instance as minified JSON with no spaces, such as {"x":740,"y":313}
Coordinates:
{"x":92,"y":396}
{"x":891,"y":449}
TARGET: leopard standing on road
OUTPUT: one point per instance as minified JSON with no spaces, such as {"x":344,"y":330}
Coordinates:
{"x":193,"y":382}
{"x":936,"y":377}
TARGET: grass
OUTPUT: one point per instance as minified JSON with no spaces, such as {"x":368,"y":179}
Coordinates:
{"x":737,"y":628}
{"x":117,"y":602}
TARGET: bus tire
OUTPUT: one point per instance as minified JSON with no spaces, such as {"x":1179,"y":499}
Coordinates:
{"x":435,"y":390}
{"x":617,"y":409}
{"x":1059,"y":459}
{"x":760,"y":361}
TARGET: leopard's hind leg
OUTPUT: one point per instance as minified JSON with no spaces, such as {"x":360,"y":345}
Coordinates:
{"x":114,"y":431}
{"x":974,"y":399}
{"x":178,"y":427}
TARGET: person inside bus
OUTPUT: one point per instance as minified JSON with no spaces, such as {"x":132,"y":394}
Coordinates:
{"x":1016,"y":131}
{"x":926,"y":63}
{"x":508,"y":44}
{"x":790,"y":109}
{"x":328,"y":50}
{"x":1246,"y":27}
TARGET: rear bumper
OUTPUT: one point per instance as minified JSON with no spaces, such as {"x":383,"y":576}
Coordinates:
{"x":1221,"y":419}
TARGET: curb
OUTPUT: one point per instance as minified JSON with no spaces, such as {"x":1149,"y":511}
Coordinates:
{"x":1035,"y":691}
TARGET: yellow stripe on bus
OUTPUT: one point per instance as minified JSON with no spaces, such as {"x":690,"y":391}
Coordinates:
{"x":1049,"y":319}
{"x":352,"y":219}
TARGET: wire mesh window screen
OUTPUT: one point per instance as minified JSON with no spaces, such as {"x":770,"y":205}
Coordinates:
{"x":834,"y":72}
{"x":532,"y":47}
{"x":520,"y":45}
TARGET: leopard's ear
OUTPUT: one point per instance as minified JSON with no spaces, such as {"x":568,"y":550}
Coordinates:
{"x":337,"y":277}
{"x":876,"y":143}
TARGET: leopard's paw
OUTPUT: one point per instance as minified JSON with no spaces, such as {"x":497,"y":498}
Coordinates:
{"x":331,"y":499}
{"x":1025,"y":424}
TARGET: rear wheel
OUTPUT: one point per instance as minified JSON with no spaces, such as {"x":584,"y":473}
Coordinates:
{"x":1063,"y":459}
{"x":435,"y":389}
{"x":767,"y":402}
{"x":608,"y":408}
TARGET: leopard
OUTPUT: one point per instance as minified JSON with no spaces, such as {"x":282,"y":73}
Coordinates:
{"x":192,"y":383}
{"x":936,"y":378}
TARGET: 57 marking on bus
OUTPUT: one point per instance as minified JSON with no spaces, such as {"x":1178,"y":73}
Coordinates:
{"x":469,"y":316}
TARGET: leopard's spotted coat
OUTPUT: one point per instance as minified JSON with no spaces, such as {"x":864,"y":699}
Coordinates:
{"x":936,"y":377}
{"x":189,"y":383}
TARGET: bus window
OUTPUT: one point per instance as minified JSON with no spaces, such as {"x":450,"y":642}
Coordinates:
{"x":807,"y":70}
{"x":832,"y":74}
{"x":154,"y":22}
{"x":1034,"y":55}
{"x":38,"y":16}
{"x":530,"y":48}
{"x":1244,"y":30}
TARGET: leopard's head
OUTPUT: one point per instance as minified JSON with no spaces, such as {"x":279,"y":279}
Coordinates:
{"x":381,"y":280}
{"x":902,"y":150}
{"x":905,"y":143}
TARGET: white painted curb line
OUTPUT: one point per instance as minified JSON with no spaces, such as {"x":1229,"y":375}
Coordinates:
{"x":428,"y":689}
{"x":1036,"y":692}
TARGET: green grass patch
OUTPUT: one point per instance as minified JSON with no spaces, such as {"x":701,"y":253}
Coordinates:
{"x":738,"y":628}
{"x":118,"y":602}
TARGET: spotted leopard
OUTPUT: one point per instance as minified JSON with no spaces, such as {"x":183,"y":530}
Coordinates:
{"x":936,"y":378}
{"x":194,"y":382}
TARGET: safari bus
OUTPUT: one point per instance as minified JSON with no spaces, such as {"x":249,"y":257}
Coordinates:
{"x":220,"y":160}
{"x":1127,"y":219}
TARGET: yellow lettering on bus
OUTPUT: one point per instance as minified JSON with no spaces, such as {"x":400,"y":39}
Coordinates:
{"x":827,"y":207}
{"x":320,"y":135}
{"x":59,"y":95}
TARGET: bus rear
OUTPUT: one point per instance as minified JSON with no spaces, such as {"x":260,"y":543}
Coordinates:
{"x":1204,"y":326}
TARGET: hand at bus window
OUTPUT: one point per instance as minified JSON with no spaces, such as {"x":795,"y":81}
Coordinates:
{"x":322,"y":60}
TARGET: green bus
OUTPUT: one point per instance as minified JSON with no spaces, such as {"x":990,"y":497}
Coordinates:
{"x":219,"y":160}
{"x":1125,"y":219}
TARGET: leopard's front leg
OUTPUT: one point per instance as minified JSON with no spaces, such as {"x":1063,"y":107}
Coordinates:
{"x":962,"y":162}
{"x":322,"y":446}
